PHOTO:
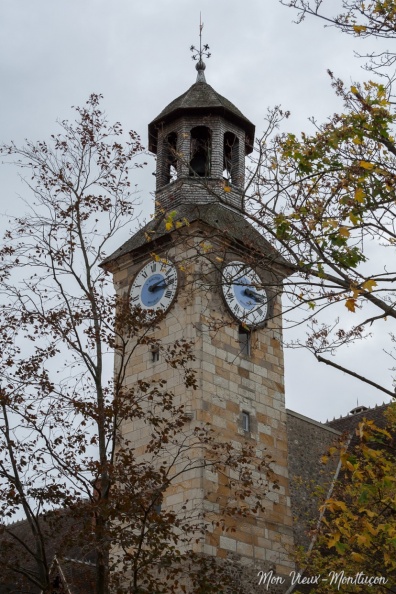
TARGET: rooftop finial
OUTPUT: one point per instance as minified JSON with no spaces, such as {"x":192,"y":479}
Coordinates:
{"x":198,"y":54}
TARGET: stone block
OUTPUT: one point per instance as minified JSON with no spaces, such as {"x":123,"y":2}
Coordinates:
{"x":244,"y":549}
{"x":229,"y":544}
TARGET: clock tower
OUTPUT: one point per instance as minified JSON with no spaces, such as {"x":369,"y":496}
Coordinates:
{"x":216,"y":281}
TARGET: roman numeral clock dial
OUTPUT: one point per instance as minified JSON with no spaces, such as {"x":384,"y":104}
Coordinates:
{"x":244,"y":295}
{"x":154,"y":286}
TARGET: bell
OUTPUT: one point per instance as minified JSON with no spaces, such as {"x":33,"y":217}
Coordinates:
{"x":198,"y":165}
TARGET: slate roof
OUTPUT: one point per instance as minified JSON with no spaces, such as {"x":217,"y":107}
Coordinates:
{"x":347,"y":424}
{"x":200,"y":99}
{"x":79,"y":577}
{"x":66,"y":542}
{"x":230,"y":224}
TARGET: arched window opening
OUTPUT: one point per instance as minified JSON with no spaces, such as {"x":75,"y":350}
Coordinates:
{"x":201,"y":148}
{"x":170,"y":158}
{"x":231,"y":158}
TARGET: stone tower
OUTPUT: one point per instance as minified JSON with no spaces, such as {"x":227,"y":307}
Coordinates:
{"x":217,"y":281}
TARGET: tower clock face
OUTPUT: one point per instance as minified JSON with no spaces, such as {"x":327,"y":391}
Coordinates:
{"x":242,"y":291}
{"x":155,"y":286}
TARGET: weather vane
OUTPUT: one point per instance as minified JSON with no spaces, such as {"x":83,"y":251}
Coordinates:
{"x":198,"y":54}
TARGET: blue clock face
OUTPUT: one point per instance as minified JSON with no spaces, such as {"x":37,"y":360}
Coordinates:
{"x":244,"y":294}
{"x":154,"y":286}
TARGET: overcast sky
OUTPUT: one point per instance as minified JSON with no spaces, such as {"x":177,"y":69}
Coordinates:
{"x":54,"y":53}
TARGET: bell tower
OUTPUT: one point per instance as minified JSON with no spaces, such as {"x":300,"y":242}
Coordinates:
{"x":200,"y":136}
{"x":216,"y":280}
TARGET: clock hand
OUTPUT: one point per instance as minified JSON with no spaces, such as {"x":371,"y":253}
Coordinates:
{"x":158,"y":285}
{"x":256,"y":296}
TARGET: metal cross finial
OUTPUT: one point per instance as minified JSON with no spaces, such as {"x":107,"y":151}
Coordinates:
{"x":198,"y":54}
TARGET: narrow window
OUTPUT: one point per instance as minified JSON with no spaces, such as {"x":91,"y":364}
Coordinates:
{"x":154,"y":355}
{"x":245,"y":421}
{"x":231,"y":158}
{"x":200,"y":151}
{"x":170,"y":158}
{"x":244,"y":337}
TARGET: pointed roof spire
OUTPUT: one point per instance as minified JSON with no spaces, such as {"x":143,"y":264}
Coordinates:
{"x":198,"y":54}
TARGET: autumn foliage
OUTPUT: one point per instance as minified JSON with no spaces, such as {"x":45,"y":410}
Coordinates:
{"x":357,"y":533}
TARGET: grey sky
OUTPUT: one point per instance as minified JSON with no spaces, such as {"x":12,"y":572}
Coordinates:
{"x":54,"y":53}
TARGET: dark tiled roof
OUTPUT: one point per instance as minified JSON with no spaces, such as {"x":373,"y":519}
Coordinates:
{"x":200,"y":95}
{"x":230,"y":224}
{"x":63,"y":534}
{"x":200,"y":98}
{"x":79,"y":576}
{"x":348,"y":423}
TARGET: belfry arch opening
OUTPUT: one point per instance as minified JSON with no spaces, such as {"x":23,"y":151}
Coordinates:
{"x":200,"y":151}
{"x":170,"y":158}
{"x":231,"y":158}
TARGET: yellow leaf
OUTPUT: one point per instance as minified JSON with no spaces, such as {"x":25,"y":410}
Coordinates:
{"x":359,"y":29}
{"x":332,"y":541}
{"x":371,"y":529}
{"x":350,"y":304}
{"x":369,"y":285}
{"x":355,"y":292}
{"x":227,"y":189}
{"x":344,"y":231}
{"x":169,"y":220}
{"x":359,"y":195}
{"x":357,"y":557}
{"x":366,"y":165}
{"x":357,"y":140}
{"x":354,"y":90}
{"x":206,"y":247}
{"x":368,"y":512}
{"x":381,"y":171}
{"x":353,"y":218}
{"x":362,"y":539}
